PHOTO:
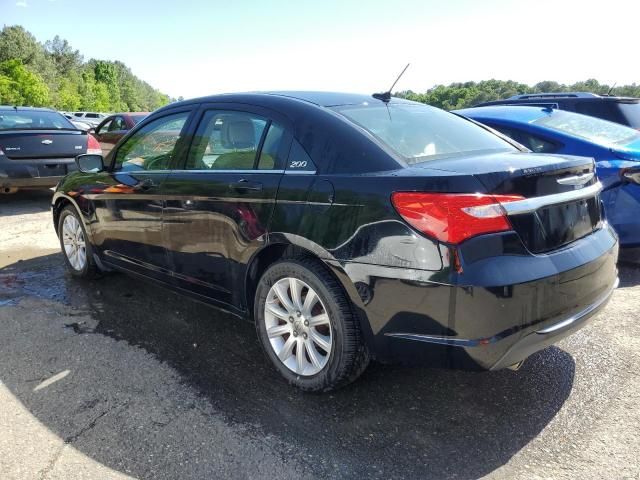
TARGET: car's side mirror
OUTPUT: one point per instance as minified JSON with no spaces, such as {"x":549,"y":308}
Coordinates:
{"x":91,"y":130}
{"x":90,"y":163}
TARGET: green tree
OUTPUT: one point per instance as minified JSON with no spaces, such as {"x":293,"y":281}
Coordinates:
{"x":69,"y":82}
{"x":25,"y":87}
{"x":66,"y":59}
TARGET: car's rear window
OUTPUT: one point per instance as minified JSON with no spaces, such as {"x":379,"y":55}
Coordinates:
{"x":33,"y":120}
{"x":590,"y":128}
{"x":631,"y":112}
{"x":420,"y":133}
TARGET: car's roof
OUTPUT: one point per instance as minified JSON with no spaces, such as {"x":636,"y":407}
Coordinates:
{"x":518,"y":114}
{"x":124,"y":114}
{"x":29,"y":109}
{"x":559,"y":98}
{"x":323,"y":99}
{"x":329,"y":99}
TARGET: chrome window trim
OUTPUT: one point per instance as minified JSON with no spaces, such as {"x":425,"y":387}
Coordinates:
{"x":300,"y":172}
{"x":213,"y":170}
{"x":529,"y":205}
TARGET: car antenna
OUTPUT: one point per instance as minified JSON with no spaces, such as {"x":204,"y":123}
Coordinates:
{"x":611,"y":89}
{"x":386,"y":96}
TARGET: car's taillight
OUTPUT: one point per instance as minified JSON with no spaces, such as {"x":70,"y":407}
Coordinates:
{"x":454,"y":217}
{"x":93,"y":146}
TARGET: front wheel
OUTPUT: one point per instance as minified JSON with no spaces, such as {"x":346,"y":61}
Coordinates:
{"x":75,"y":245}
{"x":306,"y":326}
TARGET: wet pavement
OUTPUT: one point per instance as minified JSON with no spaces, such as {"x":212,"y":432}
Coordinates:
{"x":160,"y":386}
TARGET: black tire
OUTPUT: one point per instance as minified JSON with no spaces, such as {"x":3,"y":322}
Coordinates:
{"x":349,"y":356}
{"x":90,"y":269}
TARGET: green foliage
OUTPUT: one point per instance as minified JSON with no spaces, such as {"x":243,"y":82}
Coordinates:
{"x":20,"y":86}
{"x":55,"y":75}
{"x":462,"y":95}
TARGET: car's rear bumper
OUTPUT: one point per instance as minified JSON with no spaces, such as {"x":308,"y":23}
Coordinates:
{"x":542,"y":338}
{"x":494,"y":322}
{"x":34,"y":173}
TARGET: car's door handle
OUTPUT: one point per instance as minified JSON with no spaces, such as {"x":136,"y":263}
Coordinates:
{"x":245,"y":184}
{"x":145,"y":185}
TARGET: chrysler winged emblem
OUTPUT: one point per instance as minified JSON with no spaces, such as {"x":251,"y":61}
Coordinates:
{"x":576,"y":180}
{"x":47,"y":142}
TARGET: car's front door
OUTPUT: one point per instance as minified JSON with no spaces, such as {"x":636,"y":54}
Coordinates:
{"x":219,"y":202}
{"x":110,"y":132}
{"x":128,"y":207}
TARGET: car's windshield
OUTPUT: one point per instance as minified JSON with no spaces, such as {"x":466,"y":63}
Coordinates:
{"x":593,"y":129}
{"x":631,"y":111}
{"x":421,"y":133}
{"x":137,"y":118}
{"x":33,"y":120}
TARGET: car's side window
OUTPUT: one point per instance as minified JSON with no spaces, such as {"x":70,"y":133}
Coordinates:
{"x":270,"y":148}
{"x":532,"y":142}
{"x":230,"y":140}
{"x":537,"y":144}
{"x":105,"y":127}
{"x":151,"y":147}
{"x":117,"y":124}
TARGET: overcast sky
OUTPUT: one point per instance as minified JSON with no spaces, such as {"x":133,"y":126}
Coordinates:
{"x":200,"y":47}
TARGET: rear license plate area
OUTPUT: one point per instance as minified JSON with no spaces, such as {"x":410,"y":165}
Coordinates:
{"x":554,"y":226}
{"x":52,"y":170}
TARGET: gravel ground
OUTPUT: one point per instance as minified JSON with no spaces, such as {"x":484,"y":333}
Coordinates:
{"x":118,"y":378}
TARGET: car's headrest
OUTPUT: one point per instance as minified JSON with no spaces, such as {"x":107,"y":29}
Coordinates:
{"x":238,"y":133}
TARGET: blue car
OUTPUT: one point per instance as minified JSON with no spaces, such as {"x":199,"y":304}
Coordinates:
{"x":615,"y":148}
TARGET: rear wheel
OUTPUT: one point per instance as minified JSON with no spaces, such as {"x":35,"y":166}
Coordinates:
{"x":76,"y":248}
{"x":306,"y":326}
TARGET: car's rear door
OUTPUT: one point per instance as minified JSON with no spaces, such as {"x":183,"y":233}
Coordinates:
{"x":220,"y":201}
{"x":128,"y":206}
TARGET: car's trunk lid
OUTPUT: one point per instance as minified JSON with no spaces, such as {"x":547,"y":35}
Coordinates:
{"x":35,"y":144}
{"x":557,"y":221}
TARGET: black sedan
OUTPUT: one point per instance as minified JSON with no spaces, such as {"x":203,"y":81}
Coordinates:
{"x":38,"y":147}
{"x":350,"y":228}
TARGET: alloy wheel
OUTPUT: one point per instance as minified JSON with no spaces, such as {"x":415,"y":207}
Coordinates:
{"x":74,"y":243}
{"x":298,"y":326}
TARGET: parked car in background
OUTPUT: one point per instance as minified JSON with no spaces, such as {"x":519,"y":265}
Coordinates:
{"x":85,"y":127}
{"x":349,"y":227}
{"x":92,"y":118}
{"x":624,"y":110}
{"x":113,"y":128}
{"x":76,"y":123}
{"x":615,"y":148}
{"x":38,"y":147}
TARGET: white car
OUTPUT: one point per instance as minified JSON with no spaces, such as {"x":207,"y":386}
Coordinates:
{"x":92,"y":118}
{"x":84,"y":126}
